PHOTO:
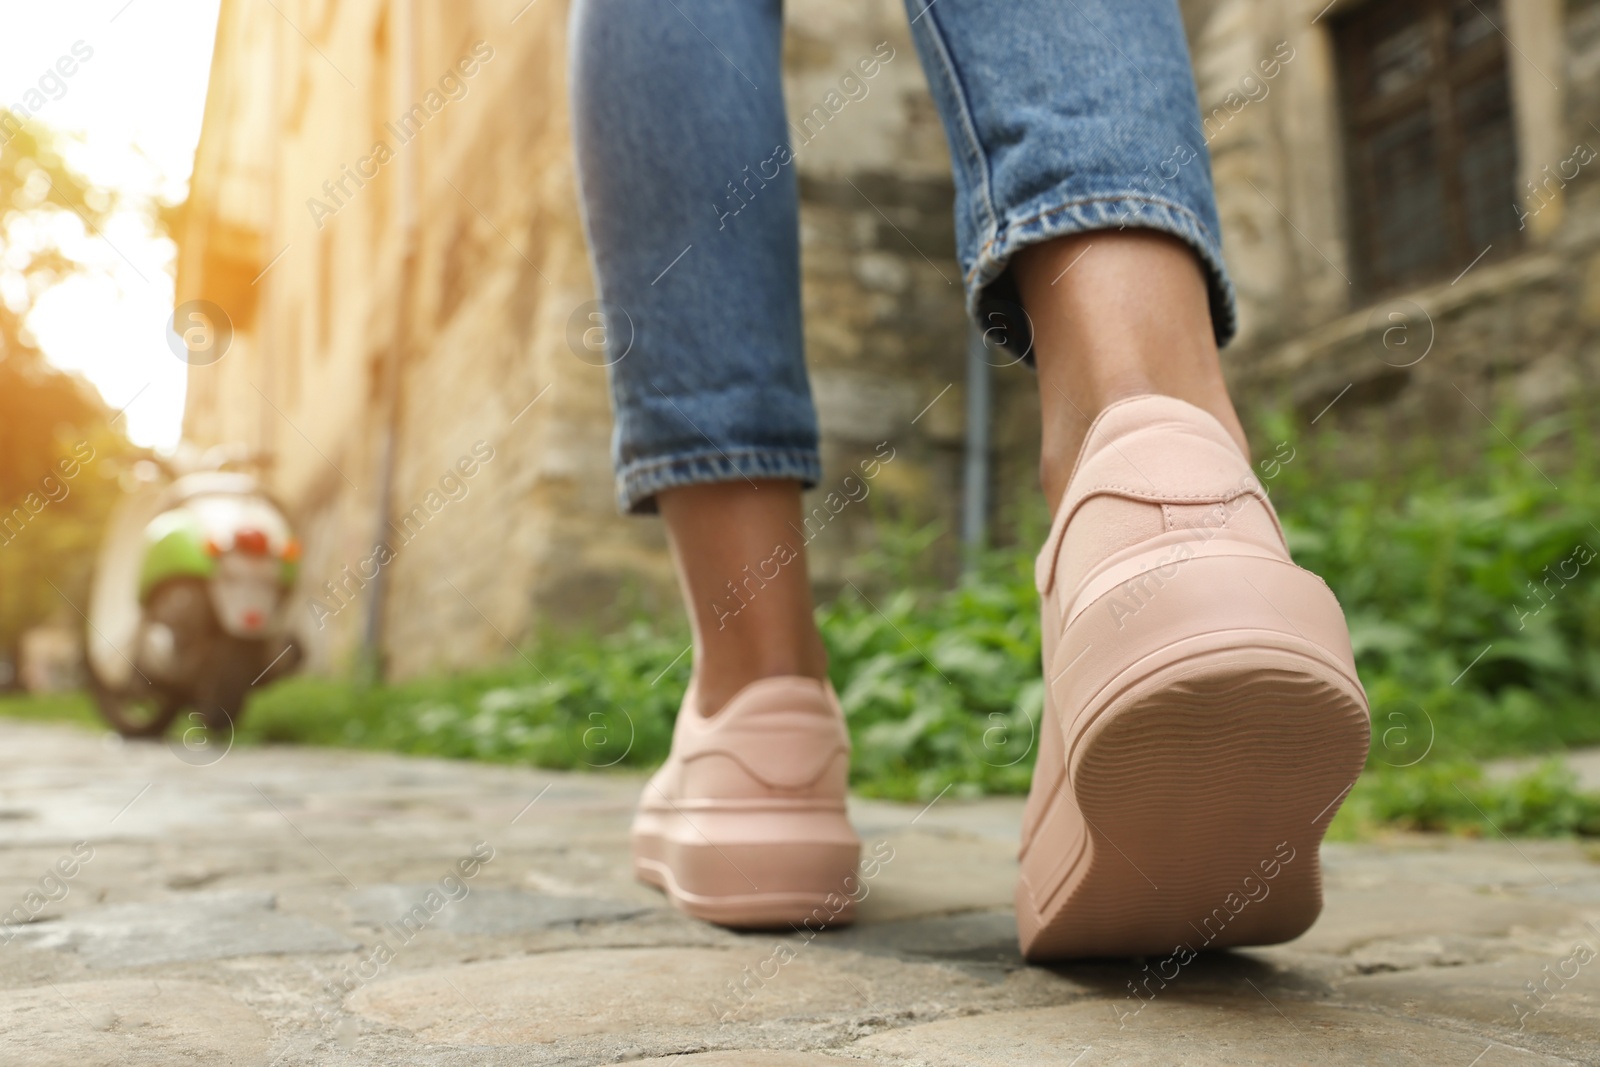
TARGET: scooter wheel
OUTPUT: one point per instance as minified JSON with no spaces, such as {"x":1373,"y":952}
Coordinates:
{"x":144,"y":713}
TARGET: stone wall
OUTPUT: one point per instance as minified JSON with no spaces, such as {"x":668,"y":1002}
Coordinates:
{"x":1517,"y":329}
{"x":312,"y":274}
{"x":315,"y":280}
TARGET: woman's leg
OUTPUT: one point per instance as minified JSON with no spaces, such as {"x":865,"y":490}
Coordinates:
{"x":749,"y":623}
{"x":690,"y":202}
{"x":1203,"y":717}
{"x":689,"y":192}
{"x":1076,"y":140}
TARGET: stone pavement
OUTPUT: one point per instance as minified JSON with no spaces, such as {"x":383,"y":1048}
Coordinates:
{"x":291,"y":906}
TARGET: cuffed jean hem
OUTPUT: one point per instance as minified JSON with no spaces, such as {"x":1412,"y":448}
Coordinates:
{"x":1111,"y":212}
{"x":639,"y":482}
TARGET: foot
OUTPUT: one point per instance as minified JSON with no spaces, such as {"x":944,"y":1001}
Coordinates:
{"x":745,"y":824}
{"x":1203,"y":718}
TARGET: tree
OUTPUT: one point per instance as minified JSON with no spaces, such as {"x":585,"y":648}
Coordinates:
{"x":56,"y":433}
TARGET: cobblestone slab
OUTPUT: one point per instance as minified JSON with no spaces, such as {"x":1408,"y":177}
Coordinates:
{"x":284,"y":907}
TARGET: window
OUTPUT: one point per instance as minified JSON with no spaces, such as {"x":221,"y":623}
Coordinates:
{"x":1429,"y":141}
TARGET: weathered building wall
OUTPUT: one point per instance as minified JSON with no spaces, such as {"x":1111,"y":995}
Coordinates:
{"x":1518,"y":327}
{"x":499,"y":272}
{"x":302,"y":91}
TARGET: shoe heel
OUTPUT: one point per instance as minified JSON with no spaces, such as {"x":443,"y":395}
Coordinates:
{"x":722,"y":866}
{"x":1194,"y":788}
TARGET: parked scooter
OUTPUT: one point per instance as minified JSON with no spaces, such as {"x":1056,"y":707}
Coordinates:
{"x":189,"y":586}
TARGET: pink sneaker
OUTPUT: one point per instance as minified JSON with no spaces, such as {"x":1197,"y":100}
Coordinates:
{"x":745,"y":823}
{"x":1203,"y":718}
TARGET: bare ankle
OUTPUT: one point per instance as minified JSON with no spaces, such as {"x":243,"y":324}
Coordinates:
{"x":1132,"y":319}
{"x":720,"y":677}
{"x":745,"y":585}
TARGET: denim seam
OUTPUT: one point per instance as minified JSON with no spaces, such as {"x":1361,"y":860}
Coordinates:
{"x":638,"y":482}
{"x":968,"y":127}
{"x":1188,"y":224}
{"x":649,"y":466}
{"x":999,"y":238}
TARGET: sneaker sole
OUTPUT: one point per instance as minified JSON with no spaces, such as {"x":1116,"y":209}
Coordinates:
{"x":770,"y":866}
{"x":1187,"y":810}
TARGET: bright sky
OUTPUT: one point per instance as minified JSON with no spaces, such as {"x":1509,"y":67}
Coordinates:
{"x":136,"y":104}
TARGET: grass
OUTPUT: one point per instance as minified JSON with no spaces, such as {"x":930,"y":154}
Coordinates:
{"x":1455,"y":797}
{"x":1473,"y":599}
{"x":74,"y":708}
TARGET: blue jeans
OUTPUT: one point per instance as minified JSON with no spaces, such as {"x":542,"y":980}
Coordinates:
{"x":1063,"y":116}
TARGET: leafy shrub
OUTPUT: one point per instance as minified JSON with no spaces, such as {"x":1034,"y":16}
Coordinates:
{"x":1474,"y":618}
{"x":578,"y":702}
{"x":941,"y":688}
{"x":1456,"y":797}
